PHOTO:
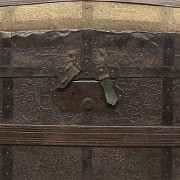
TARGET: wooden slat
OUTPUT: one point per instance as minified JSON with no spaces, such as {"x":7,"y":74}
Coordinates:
{"x":171,"y":3}
{"x":132,"y":136}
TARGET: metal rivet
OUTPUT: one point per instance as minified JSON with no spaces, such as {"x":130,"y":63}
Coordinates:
{"x":85,"y":44}
{"x":61,"y":71}
{"x":101,"y":70}
{"x":64,"y":80}
{"x":64,"y":107}
{"x":167,"y":107}
{"x":112,"y":71}
{"x":7,"y":173}
{"x":7,"y":88}
{"x":5,"y":48}
{"x":88,"y":104}
{"x":87,"y":73}
{"x":7,"y":152}
{"x":7,"y":106}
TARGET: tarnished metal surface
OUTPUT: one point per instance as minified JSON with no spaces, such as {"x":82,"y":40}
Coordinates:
{"x":79,"y":94}
{"x":67,"y":74}
{"x":47,"y":49}
{"x":105,"y":81}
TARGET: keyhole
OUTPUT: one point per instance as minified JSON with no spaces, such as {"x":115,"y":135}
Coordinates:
{"x":73,"y":96}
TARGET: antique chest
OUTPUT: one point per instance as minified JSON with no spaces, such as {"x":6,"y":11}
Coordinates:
{"x":89,"y":90}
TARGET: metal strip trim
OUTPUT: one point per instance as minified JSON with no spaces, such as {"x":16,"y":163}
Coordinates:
{"x":167,"y":114}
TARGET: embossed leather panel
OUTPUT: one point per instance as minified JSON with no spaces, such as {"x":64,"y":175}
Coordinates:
{"x":46,"y":163}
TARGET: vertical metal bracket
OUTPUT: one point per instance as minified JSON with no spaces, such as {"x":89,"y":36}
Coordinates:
{"x":104,"y":78}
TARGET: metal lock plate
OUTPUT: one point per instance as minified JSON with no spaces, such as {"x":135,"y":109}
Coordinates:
{"x":81,"y":96}
{"x":95,"y":93}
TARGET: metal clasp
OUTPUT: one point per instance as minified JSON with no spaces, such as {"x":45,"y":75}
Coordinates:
{"x":66,"y":74}
{"x":104,"y":78}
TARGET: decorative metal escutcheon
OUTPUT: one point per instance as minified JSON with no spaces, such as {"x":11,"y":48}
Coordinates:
{"x":98,"y":95}
{"x":81,"y":96}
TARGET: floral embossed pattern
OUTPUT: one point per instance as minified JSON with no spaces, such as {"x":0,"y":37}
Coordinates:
{"x":0,"y":100}
{"x":176,"y":164}
{"x":46,"y":163}
{"x":176,"y":101}
{"x":1,"y":162}
{"x":140,"y":103}
{"x":33,"y":103}
{"x":124,"y":163}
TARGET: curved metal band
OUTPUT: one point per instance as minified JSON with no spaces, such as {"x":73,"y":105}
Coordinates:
{"x":172,"y":3}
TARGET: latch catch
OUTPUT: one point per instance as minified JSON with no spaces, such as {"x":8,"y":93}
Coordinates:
{"x":66,"y":74}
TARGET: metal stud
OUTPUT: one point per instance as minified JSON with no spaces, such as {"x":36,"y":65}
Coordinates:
{"x":101,"y":70}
